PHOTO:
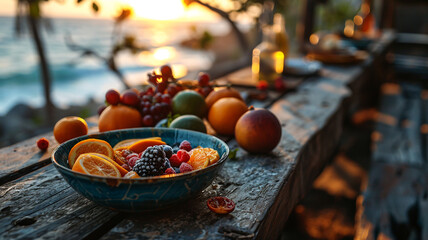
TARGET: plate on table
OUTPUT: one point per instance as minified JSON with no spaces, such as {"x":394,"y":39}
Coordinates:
{"x":301,"y":67}
{"x":338,"y":57}
{"x":144,"y":193}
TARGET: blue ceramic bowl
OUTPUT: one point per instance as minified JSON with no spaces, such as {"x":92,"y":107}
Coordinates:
{"x":147,"y":193}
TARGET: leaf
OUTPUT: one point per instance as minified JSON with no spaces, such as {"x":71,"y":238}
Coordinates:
{"x":95,"y":7}
{"x":233,"y":153}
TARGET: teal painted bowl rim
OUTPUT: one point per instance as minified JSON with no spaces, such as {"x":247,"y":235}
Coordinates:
{"x":153,"y":179}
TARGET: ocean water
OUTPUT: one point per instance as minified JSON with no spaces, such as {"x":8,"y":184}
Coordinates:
{"x":76,"y":79}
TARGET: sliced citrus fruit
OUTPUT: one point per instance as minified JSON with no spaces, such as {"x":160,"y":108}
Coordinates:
{"x":122,"y":170}
{"x":221,"y":205}
{"x":198,"y":159}
{"x":131,"y":175}
{"x":124,"y":144}
{"x":119,"y":158}
{"x":93,"y":165}
{"x":91,"y":145}
{"x":212,"y":155}
{"x":141,"y":145}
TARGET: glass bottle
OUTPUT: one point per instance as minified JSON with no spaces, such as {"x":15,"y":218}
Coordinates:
{"x":268,"y":59}
{"x":281,"y":36}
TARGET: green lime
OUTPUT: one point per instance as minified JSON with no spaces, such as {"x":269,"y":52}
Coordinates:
{"x":189,"y":102}
{"x":190,"y":122}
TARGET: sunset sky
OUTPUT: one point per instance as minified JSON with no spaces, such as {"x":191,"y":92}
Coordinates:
{"x":143,"y":9}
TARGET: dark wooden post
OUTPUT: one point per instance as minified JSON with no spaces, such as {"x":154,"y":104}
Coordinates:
{"x":308,"y":20}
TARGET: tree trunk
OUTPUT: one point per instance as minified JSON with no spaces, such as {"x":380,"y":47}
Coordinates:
{"x":241,"y":38}
{"x":44,"y":66}
{"x":111,"y":63}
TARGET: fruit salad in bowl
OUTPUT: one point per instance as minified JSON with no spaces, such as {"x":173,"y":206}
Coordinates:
{"x":140,"y":169}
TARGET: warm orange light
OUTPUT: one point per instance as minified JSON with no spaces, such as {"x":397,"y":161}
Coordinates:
{"x":314,"y":39}
{"x":279,"y":61}
{"x":358,"y":20}
{"x":349,"y":28}
{"x":365,"y":8}
{"x":157,"y":9}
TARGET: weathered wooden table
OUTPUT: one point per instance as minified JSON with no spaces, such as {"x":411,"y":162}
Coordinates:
{"x":37,"y":203}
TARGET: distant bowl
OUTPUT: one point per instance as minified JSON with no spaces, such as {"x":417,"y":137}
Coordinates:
{"x":146,"y":193}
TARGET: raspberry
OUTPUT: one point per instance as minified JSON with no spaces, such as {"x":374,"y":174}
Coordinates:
{"x":43,"y":144}
{"x":169,"y":171}
{"x":125,"y":153}
{"x":131,"y":156}
{"x":174,"y":160}
{"x":152,"y":163}
{"x":262,"y":85}
{"x":132,"y":161}
{"x":185,"y":145}
{"x":183,"y":155}
{"x":126,"y":166}
{"x":185,"y":167}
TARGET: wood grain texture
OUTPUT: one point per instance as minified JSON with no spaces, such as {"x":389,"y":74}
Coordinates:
{"x":25,"y":157}
{"x":42,"y":205}
{"x":394,"y":205}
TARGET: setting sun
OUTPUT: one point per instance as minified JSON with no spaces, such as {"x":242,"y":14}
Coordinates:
{"x":157,"y":10}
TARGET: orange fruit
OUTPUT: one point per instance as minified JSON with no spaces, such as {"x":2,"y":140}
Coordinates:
{"x":212,"y":155}
{"x":214,"y":96}
{"x":119,"y":158}
{"x":89,"y":146}
{"x":131,"y":175}
{"x":69,"y":127}
{"x":224,"y":114}
{"x":143,"y":144}
{"x":198,"y":159}
{"x":124,"y":144}
{"x":122,"y":170}
{"x":93,"y":165}
{"x":119,"y":117}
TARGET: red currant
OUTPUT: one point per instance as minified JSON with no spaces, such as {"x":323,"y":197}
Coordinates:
{"x":129,"y":98}
{"x":203,"y":79}
{"x":43,"y":144}
{"x":148,"y":121}
{"x":112,"y":97}
{"x":166,"y":71}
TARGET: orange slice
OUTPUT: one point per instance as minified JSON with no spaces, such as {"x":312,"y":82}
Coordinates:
{"x":212,"y":155}
{"x":122,"y":170}
{"x":91,"y":145}
{"x":131,"y":175}
{"x":141,"y":145}
{"x":119,"y":158}
{"x":198,"y":159}
{"x":124,"y":144}
{"x":93,"y":165}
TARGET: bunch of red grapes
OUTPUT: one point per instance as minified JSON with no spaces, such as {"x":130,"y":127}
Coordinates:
{"x":155,"y":102}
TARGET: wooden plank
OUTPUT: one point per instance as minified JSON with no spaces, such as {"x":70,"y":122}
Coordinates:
{"x":398,"y":127}
{"x":394,"y":205}
{"x":32,"y":208}
{"x":24,"y":157}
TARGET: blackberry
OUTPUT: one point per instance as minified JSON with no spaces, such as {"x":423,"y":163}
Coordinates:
{"x":153,"y":162}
